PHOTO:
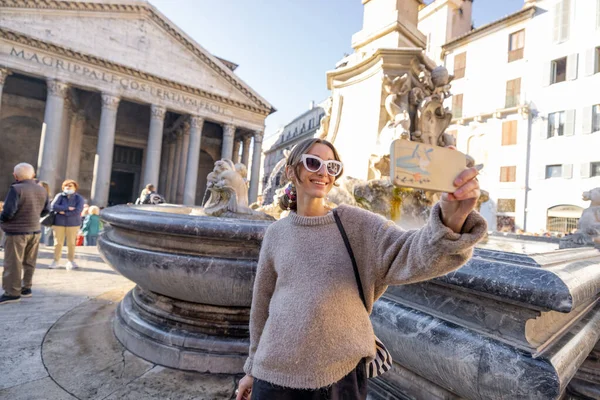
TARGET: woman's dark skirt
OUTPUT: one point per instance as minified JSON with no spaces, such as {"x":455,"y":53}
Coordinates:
{"x":351,"y":387}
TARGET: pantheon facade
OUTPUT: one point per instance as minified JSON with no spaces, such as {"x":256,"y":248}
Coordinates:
{"x":112,"y":94}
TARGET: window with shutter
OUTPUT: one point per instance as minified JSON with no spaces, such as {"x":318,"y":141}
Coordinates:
{"x":597,"y":60}
{"x":506,"y":205}
{"x":509,"y":133}
{"x":508,"y":174}
{"x":565,"y":21}
{"x":460,"y":64}
{"x":553,"y":171}
{"x":595,"y":168}
{"x":562,"y":18}
{"x":567,"y":171}
{"x":457,"y":105}
{"x":597,"y":14}
{"x":513,"y":93}
{"x":596,"y":118}
{"x":516,"y":45}
{"x":556,"y":124}
{"x":559,"y":70}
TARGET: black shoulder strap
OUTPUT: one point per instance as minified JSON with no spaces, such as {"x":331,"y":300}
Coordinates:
{"x":351,"y":253}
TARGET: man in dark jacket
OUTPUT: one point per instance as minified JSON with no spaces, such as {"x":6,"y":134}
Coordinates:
{"x":25,"y":203}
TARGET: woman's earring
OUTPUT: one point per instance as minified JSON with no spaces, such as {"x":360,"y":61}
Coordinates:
{"x":290,"y":192}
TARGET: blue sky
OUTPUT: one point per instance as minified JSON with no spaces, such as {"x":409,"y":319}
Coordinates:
{"x":285,"y":47}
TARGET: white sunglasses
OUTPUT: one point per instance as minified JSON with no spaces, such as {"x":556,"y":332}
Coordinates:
{"x":313,"y":163}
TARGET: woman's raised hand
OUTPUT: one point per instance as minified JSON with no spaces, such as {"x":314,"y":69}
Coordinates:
{"x":458,"y":205}
{"x":244,"y":388}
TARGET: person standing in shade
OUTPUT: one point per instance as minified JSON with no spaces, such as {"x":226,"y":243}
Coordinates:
{"x":68,"y":206}
{"x":26,"y":202}
{"x":91,"y":226}
{"x":310,"y":333}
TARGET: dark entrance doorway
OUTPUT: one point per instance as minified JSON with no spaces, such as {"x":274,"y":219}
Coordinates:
{"x":125,"y":176}
{"x":121,"y":188}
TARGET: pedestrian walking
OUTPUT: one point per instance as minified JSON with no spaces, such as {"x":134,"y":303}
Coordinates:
{"x":68,"y":206}
{"x":91,"y":226}
{"x":320,"y":270}
{"x":25,"y":203}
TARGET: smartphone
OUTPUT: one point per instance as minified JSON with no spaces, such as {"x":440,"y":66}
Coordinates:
{"x":423,"y":166}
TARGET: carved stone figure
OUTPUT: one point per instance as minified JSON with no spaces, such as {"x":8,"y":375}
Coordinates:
{"x":324,"y":127}
{"x":441,"y":81}
{"x":229,"y":192}
{"x":276,"y":179}
{"x":588,"y":228}
{"x":432,"y":120}
{"x":432,"y":117}
{"x":395,"y":105}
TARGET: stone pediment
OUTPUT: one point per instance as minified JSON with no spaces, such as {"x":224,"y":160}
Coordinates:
{"x":129,"y":33}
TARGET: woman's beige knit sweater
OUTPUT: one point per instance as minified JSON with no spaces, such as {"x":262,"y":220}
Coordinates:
{"x":308,"y":325}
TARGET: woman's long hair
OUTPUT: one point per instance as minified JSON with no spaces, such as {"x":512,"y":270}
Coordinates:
{"x":295,"y":161}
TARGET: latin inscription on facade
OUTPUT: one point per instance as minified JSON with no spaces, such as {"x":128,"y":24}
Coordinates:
{"x":111,"y":78}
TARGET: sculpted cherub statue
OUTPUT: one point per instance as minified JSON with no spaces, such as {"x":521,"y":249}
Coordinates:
{"x":441,"y":81}
{"x":396,"y":108}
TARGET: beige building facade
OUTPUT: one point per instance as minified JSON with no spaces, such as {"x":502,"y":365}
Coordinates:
{"x":115,"y":96}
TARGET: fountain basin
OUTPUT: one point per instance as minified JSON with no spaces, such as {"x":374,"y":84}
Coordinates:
{"x":194,"y":274}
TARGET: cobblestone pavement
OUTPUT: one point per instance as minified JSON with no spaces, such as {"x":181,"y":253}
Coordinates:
{"x":59,"y":343}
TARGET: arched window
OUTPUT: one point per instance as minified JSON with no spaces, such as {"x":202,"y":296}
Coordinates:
{"x":563,"y":218}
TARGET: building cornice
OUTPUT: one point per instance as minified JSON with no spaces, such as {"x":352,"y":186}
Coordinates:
{"x":514,"y":18}
{"x":379,"y":56}
{"x":38,"y":44}
{"x":148,"y":10}
{"x":416,"y":38}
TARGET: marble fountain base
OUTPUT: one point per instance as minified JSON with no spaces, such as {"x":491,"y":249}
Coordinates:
{"x":520,"y":320}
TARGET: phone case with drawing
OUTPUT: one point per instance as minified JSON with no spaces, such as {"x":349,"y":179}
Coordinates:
{"x":422,"y":166}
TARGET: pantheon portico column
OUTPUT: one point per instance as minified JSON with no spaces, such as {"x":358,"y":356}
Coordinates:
{"x":227,"y":146}
{"x":3,"y":74}
{"x":183,"y":161}
{"x":50,"y":151}
{"x":172,"y":148}
{"x":256,"y":158}
{"x":235,"y":156}
{"x":246,"y":149}
{"x":67,"y":120}
{"x":75,"y":142}
{"x":104,"y":152}
{"x":193,"y":157}
{"x":176,"y":160}
{"x":154,"y":147}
